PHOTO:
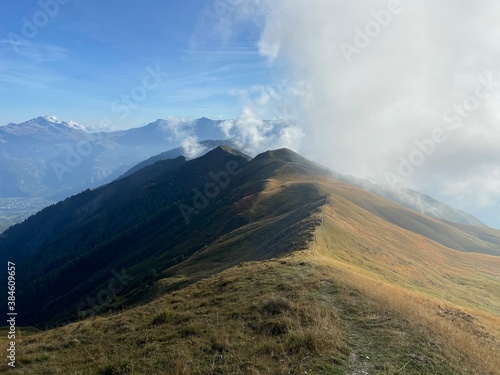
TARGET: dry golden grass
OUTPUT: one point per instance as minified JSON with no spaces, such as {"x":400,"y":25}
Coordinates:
{"x":305,"y":312}
{"x":371,"y":246}
{"x":260,"y":318}
{"x":367,"y":296}
{"x":470,"y":339}
{"x":451,"y":294}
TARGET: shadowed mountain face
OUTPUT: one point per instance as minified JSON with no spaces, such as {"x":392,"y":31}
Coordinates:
{"x":206,"y":214}
{"x":185,"y":220}
{"x":176,"y":152}
{"x":409,"y":198}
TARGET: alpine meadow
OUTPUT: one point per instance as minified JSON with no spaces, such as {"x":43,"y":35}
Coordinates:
{"x":261,"y":187}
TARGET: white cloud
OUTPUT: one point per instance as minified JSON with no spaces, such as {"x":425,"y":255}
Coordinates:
{"x":226,"y":127}
{"x":254,"y":135}
{"x":181,"y":130}
{"x":363,"y":115}
{"x":191,"y":147}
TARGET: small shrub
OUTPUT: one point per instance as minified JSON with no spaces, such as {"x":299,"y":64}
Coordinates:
{"x":270,"y":348}
{"x":272,"y":328}
{"x":219,"y":344}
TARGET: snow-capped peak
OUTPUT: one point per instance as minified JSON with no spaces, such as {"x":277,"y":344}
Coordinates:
{"x":52,"y":119}
{"x":70,"y":124}
{"x":75,"y":125}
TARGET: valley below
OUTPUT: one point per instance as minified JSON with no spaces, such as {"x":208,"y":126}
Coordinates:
{"x":15,"y":210}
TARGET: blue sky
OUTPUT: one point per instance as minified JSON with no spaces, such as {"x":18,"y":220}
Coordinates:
{"x":365,"y":102}
{"x":83,"y":57}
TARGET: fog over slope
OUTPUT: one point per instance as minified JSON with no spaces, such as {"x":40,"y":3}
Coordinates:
{"x":373,"y":80}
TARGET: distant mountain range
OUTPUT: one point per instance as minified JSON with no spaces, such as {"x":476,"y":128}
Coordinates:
{"x":49,"y":159}
{"x":46,"y":157}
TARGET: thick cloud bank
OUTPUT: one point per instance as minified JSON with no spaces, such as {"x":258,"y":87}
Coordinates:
{"x":401,"y":92}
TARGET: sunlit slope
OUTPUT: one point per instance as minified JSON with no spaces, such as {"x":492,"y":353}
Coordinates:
{"x":453,"y":294}
{"x":455,"y":236}
{"x":488,"y":235}
{"x":387,"y":239}
{"x":368,"y":233}
{"x":354,"y":234}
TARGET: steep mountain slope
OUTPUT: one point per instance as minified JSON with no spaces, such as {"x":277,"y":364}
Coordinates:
{"x":406,"y":197}
{"x":150,"y":221}
{"x":362,"y":285}
{"x":45,"y":160}
{"x":444,"y":233}
{"x":385,"y":250}
{"x":440,"y":231}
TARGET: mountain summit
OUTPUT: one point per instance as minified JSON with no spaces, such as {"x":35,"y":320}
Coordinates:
{"x":148,"y":221}
{"x":269,"y":258}
{"x":201,"y":215}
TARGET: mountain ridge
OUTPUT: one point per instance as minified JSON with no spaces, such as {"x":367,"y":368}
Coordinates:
{"x":57,"y":165}
{"x":278,"y":261}
{"x":267,"y":203}
{"x":83,"y":224}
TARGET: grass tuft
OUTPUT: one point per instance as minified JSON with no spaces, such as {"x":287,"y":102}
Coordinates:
{"x":275,"y":306}
{"x":299,"y":343}
{"x":162,"y":318}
